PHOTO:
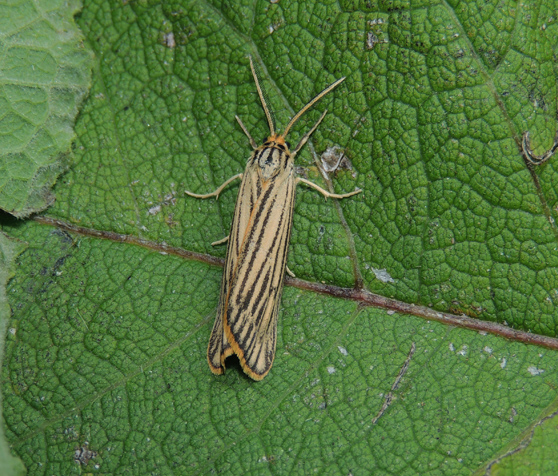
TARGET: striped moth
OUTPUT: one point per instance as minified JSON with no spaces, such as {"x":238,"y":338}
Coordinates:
{"x":246,"y":322}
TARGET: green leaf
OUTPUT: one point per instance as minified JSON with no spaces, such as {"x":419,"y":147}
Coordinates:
{"x":112,"y":352}
{"x":105,"y":369}
{"x":536,"y":454}
{"x":9,"y":250}
{"x":44,"y":77}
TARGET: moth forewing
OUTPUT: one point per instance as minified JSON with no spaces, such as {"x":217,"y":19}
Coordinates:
{"x":219,"y":348}
{"x":254,"y":270}
{"x":246,"y":321}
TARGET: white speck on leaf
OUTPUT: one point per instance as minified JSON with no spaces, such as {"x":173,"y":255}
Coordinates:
{"x":534,"y":370}
{"x":372,"y":40}
{"x":503,"y":363}
{"x":343,"y":350}
{"x":154,"y":210}
{"x":383,"y":275}
{"x":169,"y":40}
{"x":487,"y":349}
{"x":451,"y":347}
{"x":273,"y":27}
{"x":463,"y":350}
{"x":376,"y":34}
{"x":83,"y":454}
{"x":331,"y":158}
{"x":331,"y":370}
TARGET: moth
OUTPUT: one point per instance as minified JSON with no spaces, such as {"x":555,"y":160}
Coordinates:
{"x":246,"y":321}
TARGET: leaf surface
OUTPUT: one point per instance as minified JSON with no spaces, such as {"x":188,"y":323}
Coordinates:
{"x":44,"y":77}
{"x":9,"y":250}
{"x":112,"y":308}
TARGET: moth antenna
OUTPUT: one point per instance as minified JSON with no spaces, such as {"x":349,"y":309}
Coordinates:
{"x":262,"y":99}
{"x":307,"y":135}
{"x":252,"y":141}
{"x":311,"y":103}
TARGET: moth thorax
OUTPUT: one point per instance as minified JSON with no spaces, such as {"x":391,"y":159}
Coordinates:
{"x":271,"y":160}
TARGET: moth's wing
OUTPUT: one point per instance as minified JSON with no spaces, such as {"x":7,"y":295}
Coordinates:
{"x":219,"y":348}
{"x":256,"y":281}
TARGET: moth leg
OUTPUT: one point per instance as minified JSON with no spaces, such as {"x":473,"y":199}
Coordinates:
{"x":218,"y":191}
{"x":325,"y":193}
{"x":289,"y":272}
{"x":537,"y":159}
{"x":220,"y":242}
{"x":252,"y":141}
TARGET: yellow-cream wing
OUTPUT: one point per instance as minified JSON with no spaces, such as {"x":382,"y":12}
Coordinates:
{"x":250,"y":317}
{"x":246,"y":322}
{"x":219,"y":349}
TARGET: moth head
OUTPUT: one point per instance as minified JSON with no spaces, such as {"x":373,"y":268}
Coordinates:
{"x":278,"y":141}
{"x":277,"y":138}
